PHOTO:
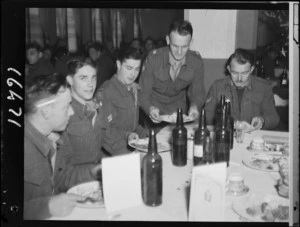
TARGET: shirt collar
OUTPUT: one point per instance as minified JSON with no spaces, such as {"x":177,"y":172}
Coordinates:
{"x":166,"y":57}
{"x":173,"y":62}
{"x":123,"y":89}
{"x":40,"y":141}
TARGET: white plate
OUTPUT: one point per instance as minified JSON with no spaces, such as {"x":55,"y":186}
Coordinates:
{"x":90,"y":189}
{"x":245,"y":204}
{"x":142,"y":145}
{"x":173,"y":118}
{"x":262,"y":162}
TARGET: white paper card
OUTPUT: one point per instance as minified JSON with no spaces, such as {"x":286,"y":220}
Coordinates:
{"x":207,"y":197}
{"x":121,"y":177}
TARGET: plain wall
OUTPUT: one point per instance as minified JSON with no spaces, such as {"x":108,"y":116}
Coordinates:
{"x":246,"y":34}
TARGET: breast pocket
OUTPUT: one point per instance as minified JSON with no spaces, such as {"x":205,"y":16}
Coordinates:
{"x":184,"y":79}
{"x":79,"y":129}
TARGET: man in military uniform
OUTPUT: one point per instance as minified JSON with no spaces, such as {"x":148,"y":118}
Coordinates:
{"x":252,"y":99}
{"x":172,"y":74}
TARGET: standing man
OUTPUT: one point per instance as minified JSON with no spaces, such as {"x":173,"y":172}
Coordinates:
{"x":171,"y":75}
{"x":252,"y":99}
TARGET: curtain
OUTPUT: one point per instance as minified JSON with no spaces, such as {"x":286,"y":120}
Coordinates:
{"x":87,"y":25}
{"x":61,"y":23}
{"x":46,"y":16}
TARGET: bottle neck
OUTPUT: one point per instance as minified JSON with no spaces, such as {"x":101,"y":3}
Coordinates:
{"x":202,"y":120}
{"x":179,"y":122}
{"x":152,"y":146}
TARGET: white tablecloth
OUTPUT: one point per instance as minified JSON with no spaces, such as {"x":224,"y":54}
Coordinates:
{"x":176,"y":186}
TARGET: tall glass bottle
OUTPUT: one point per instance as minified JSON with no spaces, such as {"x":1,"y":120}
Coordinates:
{"x":284,"y":79}
{"x":222,"y":141}
{"x":219,"y":108}
{"x":199,"y":138}
{"x":230,"y":121}
{"x":208,"y":152}
{"x":179,"y":141}
{"x":152,"y":174}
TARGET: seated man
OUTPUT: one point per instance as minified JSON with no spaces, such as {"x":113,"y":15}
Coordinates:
{"x":47,"y":110}
{"x":120,"y":103}
{"x":38,"y":65}
{"x":103,"y":63}
{"x":86,"y":126}
{"x":252,"y":99}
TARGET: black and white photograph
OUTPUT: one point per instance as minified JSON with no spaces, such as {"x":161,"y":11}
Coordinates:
{"x":148,"y":112}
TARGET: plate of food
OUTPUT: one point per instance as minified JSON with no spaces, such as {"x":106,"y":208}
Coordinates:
{"x":172,"y":118}
{"x":258,"y":144}
{"x":263,"y":162}
{"x":92,"y":191}
{"x":142,"y":145}
{"x":270,"y":208}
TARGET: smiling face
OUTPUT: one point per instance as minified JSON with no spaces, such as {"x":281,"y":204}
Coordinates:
{"x":179,"y":44}
{"x":128,"y":71}
{"x":240,"y":73}
{"x":83,"y":83}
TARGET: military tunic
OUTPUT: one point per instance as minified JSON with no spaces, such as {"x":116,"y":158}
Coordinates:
{"x":122,"y":110}
{"x":257,"y":100}
{"x":159,"y":90}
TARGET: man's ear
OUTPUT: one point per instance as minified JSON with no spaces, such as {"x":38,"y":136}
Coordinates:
{"x":228,"y":68}
{"x":192,"y":41}
{"x":40,"y":54}
{"x":70,"y":80}
{"x":252,"y":68}
{"x":168,"y":39}
{"x":45,"y":111}
{"x":118,"y":64}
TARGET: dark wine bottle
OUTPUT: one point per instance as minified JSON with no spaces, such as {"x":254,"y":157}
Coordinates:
{"x":222,"y":141}
{"x":208,"y":155}
{"x":199,"y":138}
{"x":219,"y":108}
{"x":284,"y":79}
{"x":230,"y":122}
{"x":152,"y":174}
{"x":179,"y":142}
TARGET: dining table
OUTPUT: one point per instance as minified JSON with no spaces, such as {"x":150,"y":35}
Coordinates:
{"x":177,"y":183}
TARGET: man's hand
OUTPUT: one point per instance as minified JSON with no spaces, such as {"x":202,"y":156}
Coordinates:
{"x":257,"y":123}
{"x":133,"y":136}
{"x":193,"y":112}
{"x":62,"y":204}
{"x":154,"y":114}
{"x":97,"y":172}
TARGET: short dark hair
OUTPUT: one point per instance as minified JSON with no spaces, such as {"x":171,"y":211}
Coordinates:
{"x":77,"y":63}
{"x":40,"y":87}
{"x":129,"y":53}
{"x":242,"y":56}
{"x":97,"y":46}
{"x":34,"y":45}
{"x":183,"y":27}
